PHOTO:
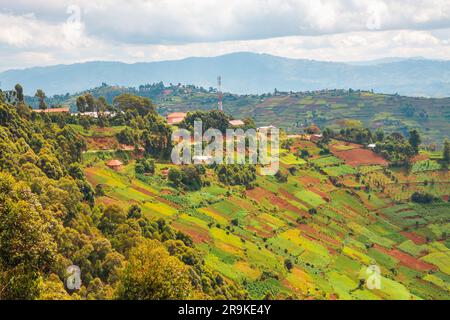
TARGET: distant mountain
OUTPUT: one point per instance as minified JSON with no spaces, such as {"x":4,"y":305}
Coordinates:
{"x":244,"y":73}
{"x":382,"y":60}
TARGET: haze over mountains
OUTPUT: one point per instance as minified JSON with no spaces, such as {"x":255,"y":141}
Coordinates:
{"x":245,"y":73}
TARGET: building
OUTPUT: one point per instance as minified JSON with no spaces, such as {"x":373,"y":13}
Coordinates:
{"x":116,"y":165}
{"x":176,"y":117}
{"x":316,"y":137}
{"x":53,"y":110}
{"x":266,"y":128}
{"x":202,"y":159}
{"x":371,"y":145}
{"x":95,"y":114}
{"x":236,"y":123}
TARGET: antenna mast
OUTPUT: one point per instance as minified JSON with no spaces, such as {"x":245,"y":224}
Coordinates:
{"x":219,"y":92}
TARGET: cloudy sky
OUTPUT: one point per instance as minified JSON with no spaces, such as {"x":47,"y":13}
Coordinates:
{"x":46,"y":32}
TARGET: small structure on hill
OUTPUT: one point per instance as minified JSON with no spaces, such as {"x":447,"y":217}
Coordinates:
{"x":95,"y":114}
{"x":176,"y":117}
{"x":316,"y":137}
{"x":267,"y":130}
{"x":371,"y":145}
{"x":236,"y":123}
{"x":116,"y":165}
{"x":53,"y":110}
{"x":202,"y":159}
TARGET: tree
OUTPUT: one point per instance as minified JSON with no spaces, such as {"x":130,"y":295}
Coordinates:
{"x":446,"y":152}
{"x":304,"y":153}
{"x":288,"y":264}
{"x":81,"y":104}
{"x":156,"y":138}
{"x":236,"y":174}
{"x":152,"y":274}
{"x":128,"y":102}
{"x":379,"y":135}
{"x":90,"y":102}
{"x":148,"y":165}
{"x":111,"y":219}
{"x":134,"y":212}
{"x":287,"y":144}
{"x":191,"y":178}
{"x":281,"y":177}
{"x":126,"y":136}
{"x":210,"y":119}
{"x":174,"y":176}
{"x":419,"y":197}
{"x":414,"y":140}
{"x":27,"y":247}
{"x":328,"y":134}
{"x":312,"y":129}
{"x":19,"y":92}
{"x":41,"y":97}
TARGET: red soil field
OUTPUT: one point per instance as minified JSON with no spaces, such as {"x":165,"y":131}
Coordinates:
{"x":154,"y":195}
{"x":259,"y":232}
{"x":260,"y":194}
{"x":324,"y":195}
{"x":335,"y":146}
{"x":359,"y":157}
{"x":419,"y":240}
{"x":307,"y":180}
{"x":198,"y":235}
{"x":406,"y":259}
{"x":316,"y":235}
{"x":101,"y":143}
{"x":419,"y":157}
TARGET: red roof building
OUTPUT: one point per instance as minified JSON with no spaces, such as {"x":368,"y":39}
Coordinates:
{"x":115,"y":164}
{"x":236,"y":123}
{"x":176,"y":117}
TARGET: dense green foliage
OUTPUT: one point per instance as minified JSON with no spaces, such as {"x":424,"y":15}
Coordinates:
{"x":49,"y":220}
{"x":213,"y":119}
{"x":236,"y":174}
{"x":188,"y":177}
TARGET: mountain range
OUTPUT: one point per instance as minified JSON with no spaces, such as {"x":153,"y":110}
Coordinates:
{"x":244,"y":72}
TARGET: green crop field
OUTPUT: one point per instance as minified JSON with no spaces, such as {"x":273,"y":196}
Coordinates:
{"x":427,"y":165}
{"x":326,"y":161}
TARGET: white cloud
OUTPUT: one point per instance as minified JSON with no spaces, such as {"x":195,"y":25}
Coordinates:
{"x":62,"y":31}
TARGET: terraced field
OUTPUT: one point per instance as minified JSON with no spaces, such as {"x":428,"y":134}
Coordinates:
{"x":330,"y":234}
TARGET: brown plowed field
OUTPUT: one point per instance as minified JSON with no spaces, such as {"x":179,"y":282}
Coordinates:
{"x":360,"y":157}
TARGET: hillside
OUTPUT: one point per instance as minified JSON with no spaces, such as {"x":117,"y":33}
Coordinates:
{"x":297,"y":110}
{"x":329,"y":219}
{"x":139,"y":227}
{"x":244,"y":73}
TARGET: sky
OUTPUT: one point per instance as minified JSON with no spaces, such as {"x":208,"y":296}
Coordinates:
{"x":49,"y":32}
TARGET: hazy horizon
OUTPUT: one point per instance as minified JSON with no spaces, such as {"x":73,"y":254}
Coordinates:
{"x":382,"y":60}
{"x":50,"y":32}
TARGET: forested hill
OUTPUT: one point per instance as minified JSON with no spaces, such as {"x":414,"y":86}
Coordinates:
{"x":244,"y":73}
{"x":295,"y":111}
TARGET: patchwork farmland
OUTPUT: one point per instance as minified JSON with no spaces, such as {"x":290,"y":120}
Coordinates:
{"x":333,"y":217}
